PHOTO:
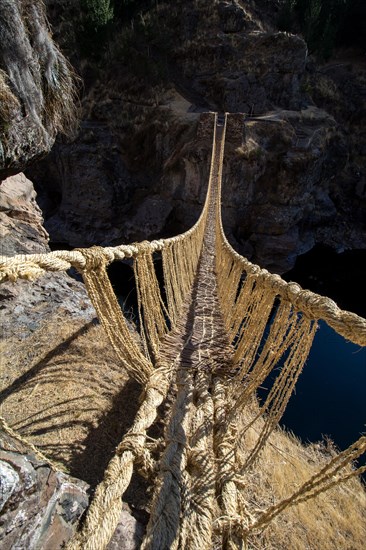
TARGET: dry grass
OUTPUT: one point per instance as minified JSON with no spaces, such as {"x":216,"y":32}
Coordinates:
{"x":63,"y":389}
{"x":334,"y":519}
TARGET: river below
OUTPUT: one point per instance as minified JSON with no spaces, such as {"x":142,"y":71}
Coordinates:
{"x":330,"y":397}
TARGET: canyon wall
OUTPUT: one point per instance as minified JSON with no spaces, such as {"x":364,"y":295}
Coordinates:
{"x":134,"y":171}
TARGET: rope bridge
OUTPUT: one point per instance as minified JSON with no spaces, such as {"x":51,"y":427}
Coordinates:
{"x":207,"y":343}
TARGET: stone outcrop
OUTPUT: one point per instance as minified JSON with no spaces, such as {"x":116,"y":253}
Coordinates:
{"x":21,"y":219}
{"x":339,"y":87}
{"x":128,"y":534}
{"x":39,"y":507}
{"x":26,"y":306}
{"x":277,"y":200}
{"x":36,"y":86}
{"x":246,"y":72}
{"x":108,"y":186}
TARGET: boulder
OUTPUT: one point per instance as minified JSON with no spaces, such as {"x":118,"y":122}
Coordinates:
{"x":128,"y":534}
{"x":21,"y":218}
{"x":26,"y":306}
{"x":39,"y":507}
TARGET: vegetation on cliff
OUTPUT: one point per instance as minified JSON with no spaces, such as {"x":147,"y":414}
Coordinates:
{"x":326,"y":23}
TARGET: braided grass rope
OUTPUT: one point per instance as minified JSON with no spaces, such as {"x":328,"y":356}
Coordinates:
{"x":104,"y":512}
{"x":38,"y":454}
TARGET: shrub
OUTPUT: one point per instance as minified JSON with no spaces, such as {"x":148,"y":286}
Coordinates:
{"x":97,"y":17}
{"x":98,"y":13}
{"x":321,"y":22}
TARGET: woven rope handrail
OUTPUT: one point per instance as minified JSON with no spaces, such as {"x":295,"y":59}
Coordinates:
{"x":32,"y":266}
{"x":346,"y":323}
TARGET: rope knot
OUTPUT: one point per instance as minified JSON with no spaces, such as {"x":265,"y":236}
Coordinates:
{"x":144,"y":248}
{"x":136,"y":444}
{"x":133,"y":442}
{"x":94,"y":257}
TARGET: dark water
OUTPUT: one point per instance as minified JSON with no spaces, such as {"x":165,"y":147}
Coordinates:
{"x":330,"y":396}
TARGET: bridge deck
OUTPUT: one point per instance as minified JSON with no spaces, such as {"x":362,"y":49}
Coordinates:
{"x":199,"y":349}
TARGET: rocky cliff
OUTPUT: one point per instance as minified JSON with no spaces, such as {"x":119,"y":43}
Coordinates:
{"x":36,"y":86}
{"x":24,"y":306}
{"x":296,"y":178}
{"x":40,"y":507}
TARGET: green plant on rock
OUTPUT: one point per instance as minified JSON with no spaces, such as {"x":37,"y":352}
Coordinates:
{"x":97,"y":18}
{"x":98,"y":13}
{"x":320,"y":21}
{"x":306,"y":87}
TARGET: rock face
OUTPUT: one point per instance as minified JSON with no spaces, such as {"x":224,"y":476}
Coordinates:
{"x":108,"y":187}
{"x":36,"y":86}
{"x":237,"y":64}
{"x":277,"y":200}
{"x":22,"y":233}
{"x":21,"y":219}
{"x":295,"y":178}
{"x":40,"y":508}
{"x":128,"y":534}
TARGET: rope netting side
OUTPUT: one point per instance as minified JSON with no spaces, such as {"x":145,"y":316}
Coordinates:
{"x":110,"y":315}
{"x":272,"y":323}
{"x":283,"y":334}
{"x":349,"y":325}
{"x":274,"y":407}
{"x":180,"y":261}
{"x":152,"y":310}
{"x":338,"y":470}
